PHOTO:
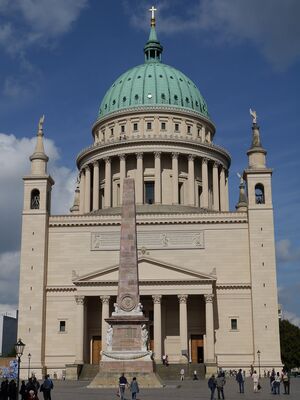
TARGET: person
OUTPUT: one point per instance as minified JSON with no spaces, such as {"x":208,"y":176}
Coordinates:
{"x":182,"y":374}
{"x":255,"y":381}
{"x":30,"y":386}
{"x":167,"y":360}
{"x":164,"y":359}
{"x":32,"y":395}
{"x":46,"y":387}
{"x":36,"y":384}
{"x":23,"y":391}
{"x":4,"y":389}
{"x":122,"y":385}
{"x":134,"y":388}
{"x":195,"y":376}
{"x":212,"y":384}
{"x":241,"y":381}
{"x":276,"y":384}
{"x":220,"y":381}
{"x":12,"y":390}
{"x":286,"y":381}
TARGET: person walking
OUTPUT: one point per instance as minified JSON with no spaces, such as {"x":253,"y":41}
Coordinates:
{"x":122,"y":386}
{"x":276,"y":384}
{"x":241,"y":381}
{"x":134,"y":388}
{"x":212,"y":384}
{"x":220,"y":381}
{"x":286,"y":381}
{"x":12,"y":390}
{"x":195,"y":376}
{"x":23,"y":391}
{"x":46,"y":387}
{"x":255,"y":381}
{"x":182,"y":374}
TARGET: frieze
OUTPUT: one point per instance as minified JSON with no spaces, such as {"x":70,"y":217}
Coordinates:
{"x":151,"y":240}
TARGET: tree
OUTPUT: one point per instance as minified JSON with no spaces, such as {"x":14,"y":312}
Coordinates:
{"x":290,"y":344}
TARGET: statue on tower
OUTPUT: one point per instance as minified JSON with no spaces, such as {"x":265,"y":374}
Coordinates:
{"x":255,"y":129}
{"x":41,"y":123}
{"x":253,"y":115}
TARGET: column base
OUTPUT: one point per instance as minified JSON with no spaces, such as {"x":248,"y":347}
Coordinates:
{"x":73,"y":371}
{"x":210,"y":368}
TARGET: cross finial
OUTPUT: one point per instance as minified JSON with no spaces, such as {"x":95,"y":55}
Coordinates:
{"x":152,"y":10}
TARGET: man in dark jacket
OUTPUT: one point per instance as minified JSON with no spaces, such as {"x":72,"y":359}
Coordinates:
{"x":220,"y":385}
{"x":46,"y":388}
{"x":212,"y":384}
{"x":240,"y":380}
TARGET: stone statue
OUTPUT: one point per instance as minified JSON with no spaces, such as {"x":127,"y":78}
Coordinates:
{"x":116,"y":307}
{"x":253,"y":115}
{"x":241,"y":178}
{"x":139,"y":307}
{"x":109,"y":334}
{"x":41,"y":123}
{"x":145,"y":336}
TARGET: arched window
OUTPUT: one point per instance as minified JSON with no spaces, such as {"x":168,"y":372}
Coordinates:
{"x":259,"y":194}
{"x":35,"y":199}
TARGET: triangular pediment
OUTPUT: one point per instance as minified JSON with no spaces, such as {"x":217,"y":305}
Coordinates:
{"x":149,"y":270}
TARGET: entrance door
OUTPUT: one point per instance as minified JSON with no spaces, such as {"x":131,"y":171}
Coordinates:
{"x":96,"y":348}
{"x":197,"y":349}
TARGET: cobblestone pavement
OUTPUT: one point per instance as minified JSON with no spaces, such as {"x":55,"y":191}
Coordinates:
{"x":174,"y":390}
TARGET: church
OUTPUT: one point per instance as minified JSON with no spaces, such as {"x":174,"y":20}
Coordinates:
{"x":207,"y":274}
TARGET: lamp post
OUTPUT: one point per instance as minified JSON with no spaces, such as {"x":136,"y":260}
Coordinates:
{"x":19,"y":348}
{"x":29,"y":358}
{"x":258,"y":356}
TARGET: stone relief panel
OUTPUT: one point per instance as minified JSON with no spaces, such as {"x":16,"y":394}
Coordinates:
{"x":151,"y":240}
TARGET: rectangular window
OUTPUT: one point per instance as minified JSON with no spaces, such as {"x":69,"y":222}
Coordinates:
{"x":163,"y":126}
{"x":135,"y":126}
{"x":176,"y":127}
{"x":149,"y":192}
{"x":111,"y":131}
{"x":199,"y":132}
{"x":189,"y":129}
{"x":62,"y":326}
{"x":149,"y":126}
{"x":233,"y":324}
{"x":122,"y":128}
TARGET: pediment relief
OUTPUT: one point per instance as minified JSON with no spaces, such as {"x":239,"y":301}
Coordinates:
{"x":149,"y":270}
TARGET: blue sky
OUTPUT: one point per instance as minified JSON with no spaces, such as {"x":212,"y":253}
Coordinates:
{"x":58,"y":57}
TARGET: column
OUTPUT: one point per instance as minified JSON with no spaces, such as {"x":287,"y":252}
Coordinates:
{"x":183,"y":326}
{"x":216,"y":186}
{"x":157,"y":327}
{"x":210,"y":333}
{"x":222,"y":190}
{"x":96,"y":186}
{"x":191,"y":180}
{"x":139,"y":182}
{"x":87,"y":198}
{"x":157,"y":186}
{"x":104,"y":315}
{"x":122,"y":174}
{"x":79,"y":328}
{"x":175,"y":177}
{"x":107,"y":188}
{"x":226,"y":191}
{"x":204,"y":183}
{"x":82,"y":195}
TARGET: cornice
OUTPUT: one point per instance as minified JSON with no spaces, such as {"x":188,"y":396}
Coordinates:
{"x":230,"y":286}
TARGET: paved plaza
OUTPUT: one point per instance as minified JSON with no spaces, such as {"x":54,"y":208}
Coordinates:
{"x":175,"y":390}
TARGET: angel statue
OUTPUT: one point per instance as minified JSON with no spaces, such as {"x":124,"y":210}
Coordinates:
{"x":241,"y":178}
{"x":109,"y":334}
{"x":145,"y":336}
{"x":253,"y":115}
{"x":41,"y":123}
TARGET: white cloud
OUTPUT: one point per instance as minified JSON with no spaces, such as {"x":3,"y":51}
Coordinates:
{"x":293,"y":318}
{"x":270,"y":25}
{"x":285,"y":252}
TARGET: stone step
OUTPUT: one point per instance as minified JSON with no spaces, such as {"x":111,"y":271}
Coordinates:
{"x":172,"y":371}
{"x":88,"y":372}
{"x":111,"y":379}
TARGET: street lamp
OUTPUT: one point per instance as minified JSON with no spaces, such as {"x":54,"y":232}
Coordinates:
{"x":29,"y":358}
{"x":258,"y":356}
{"x":19,"y":348}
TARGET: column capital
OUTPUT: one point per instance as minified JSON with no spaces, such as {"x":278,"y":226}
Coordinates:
{"x":175,"y":155}
{"x":182,"y":298}
{"x":96,"y":163}
{"x":107,"y":160}
{"x":205,"y":160}
{"x":87,"y":167}
{"x":156,"y":298}
{"x":157,"y":154}
{"x":122,"y":157}
{"x":139,"y":155}
{"x":191,"y":157}
{"x":216,"y":164}
{"x":105,"y":299}
{"x":209,"y":298}
{"x":80,"y":300}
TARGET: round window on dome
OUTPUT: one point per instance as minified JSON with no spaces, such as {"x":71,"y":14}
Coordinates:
{"x":124,"y":99}
{"x":114,"y":102}
{"x":160,"y":76}
{"x":149,"y":76}
{"x":120,"y":82}
{"x":181,"y":80}
{"x":139,"y":77}
{"x":129,"y":79}
{"x":171,"y":77}
{"x":105,"y":106}
{"x":176,"y":99}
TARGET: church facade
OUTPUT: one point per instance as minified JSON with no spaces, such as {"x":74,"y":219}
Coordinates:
{"x":207,"y":275}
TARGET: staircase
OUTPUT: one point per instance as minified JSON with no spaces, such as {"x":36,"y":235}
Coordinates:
{"x":172,"y":371}
{"x":88,"y":372}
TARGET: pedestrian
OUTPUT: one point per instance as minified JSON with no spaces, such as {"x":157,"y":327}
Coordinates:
{"x":36,"y":384}
{"x":46,"y":387}
{"x":134,"y":388}
{"x":32,"y":395}
{"x":4,"y":389}
{"x":167,"y":360}
{"x":182,"y":374}
{"x":276,"y":384}
{"x":195,"y":376}
{"x":164,"y":359}
{"x":12,"y":390}
{"x":212,"y":384}
{"x":122,"y":386}
{"x":241,"y":381}
{"x":286,"y":382}
{"x":23,"y":391}
{"x":220,"y":381}
{"x":30,"y":386}
{"x":255,"y":381}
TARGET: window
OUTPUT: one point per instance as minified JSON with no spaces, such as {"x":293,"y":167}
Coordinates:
{"x":122,"y":128}
{"x":259,"y":194}
{"x":149,"y":192}
{"x":135,"y":126}
{"x":35,"y":199}
{"x":189,"y":129}
{"x":111,"y":131}
{"x":176,"y":127}
{"x":233,"y":324}
{"x":181,"y":193}
{"x":62,"y":326}
{"x":149,"y":126}
{"x":163,"y":126}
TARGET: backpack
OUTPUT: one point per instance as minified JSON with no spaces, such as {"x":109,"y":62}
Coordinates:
{"x":47,"y":385}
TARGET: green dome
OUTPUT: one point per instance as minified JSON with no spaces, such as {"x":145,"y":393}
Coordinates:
{"x":153,"y":84}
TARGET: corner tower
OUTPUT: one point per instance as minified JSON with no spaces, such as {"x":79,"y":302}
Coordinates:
{"x":266,"y":341}
{"x":34,"y":249}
